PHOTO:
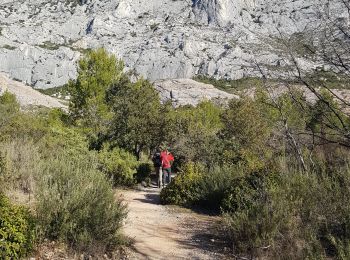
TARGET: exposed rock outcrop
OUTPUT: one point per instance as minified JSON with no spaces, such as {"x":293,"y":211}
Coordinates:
{"x":27,"y":96}
{"x":41,"y":40}
{"x":189,"y":92}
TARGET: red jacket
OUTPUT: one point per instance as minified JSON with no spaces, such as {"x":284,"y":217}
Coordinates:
{"x":166,"y":158}
{"x":171,"y":157}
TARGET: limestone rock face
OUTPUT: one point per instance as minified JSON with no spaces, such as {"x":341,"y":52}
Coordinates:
{"x":39,"y":67}
{"x":41,"y":40}
{"x":189,"y":92}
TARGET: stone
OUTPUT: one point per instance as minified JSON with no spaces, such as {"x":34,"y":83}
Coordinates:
{"x":189,"y":92}
{"x":41,"y":41}
{"x":27,"y":96}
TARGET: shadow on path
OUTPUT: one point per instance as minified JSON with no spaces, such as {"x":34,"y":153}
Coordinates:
{"x":152,"y":198}
{"x":209,"y":236}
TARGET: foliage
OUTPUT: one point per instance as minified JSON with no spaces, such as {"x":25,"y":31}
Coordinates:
{"x":9,"y":107}
{"x":76,"y":203}
{"x":246,"y":133}
{"x":135,"y":109}
{"x":16,"y":124}
{"x":215,"y":184}
{"x":191,"y":132}
{"x":290,"y":214}
{"x":16,"y":230}
{"x":182,"y":189}
{"x":63,"y":91}
{"x":144,"y":172}
{"x":252,"y":218}
{"x":199,"y":186}
{"x":50,"y":46}
{"x":19,"y":164}
{"x":270,"y":209}
{"x":9,"y":47}
{"x":96,"y":73}
{"x":119,"y":165}
{"x":242,"y":159}
{"x":328,"y":79}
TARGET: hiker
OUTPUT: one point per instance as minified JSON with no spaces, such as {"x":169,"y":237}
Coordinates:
{"x":167,"y":159}
{"x":157,"y":163}
{"x":171,"y":158}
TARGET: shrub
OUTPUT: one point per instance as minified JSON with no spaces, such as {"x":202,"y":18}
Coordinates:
{"x":214,"y":184}
{"x":232,"y":86}
{"x":245,"y":190}
{"x":183,"y":189}
{"x":22,"y":126}
{"x":144,"y":172}
{"x":299,"y":216}
{"x":76,"y":203}
{"x":9,"y":108}
{"x":119,"y":165}
{"x":254,"y":212}
{"x":16,"y":230}
{"x":19,"y":161}
{"x":197,"y":186}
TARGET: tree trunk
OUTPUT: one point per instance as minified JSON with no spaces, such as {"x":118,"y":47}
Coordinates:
{"x":296,"y":147}
{"x":137,"y":151}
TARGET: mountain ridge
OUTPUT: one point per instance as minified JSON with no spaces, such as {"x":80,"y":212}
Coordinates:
{"x":41,"y":41}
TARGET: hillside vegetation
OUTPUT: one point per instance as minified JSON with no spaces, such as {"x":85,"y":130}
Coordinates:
{"x":275,"y":168}
{"x":46,"y":166}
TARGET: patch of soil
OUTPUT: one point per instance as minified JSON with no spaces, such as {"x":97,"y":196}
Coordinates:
{"x":167,"y":232}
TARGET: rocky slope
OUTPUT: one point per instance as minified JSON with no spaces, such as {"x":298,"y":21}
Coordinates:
{"x":41,"y":40}
{"x":189,"y":92}
{"x":27,"y":96}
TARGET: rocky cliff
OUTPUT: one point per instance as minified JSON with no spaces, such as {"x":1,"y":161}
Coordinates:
{"x":41,"y":40}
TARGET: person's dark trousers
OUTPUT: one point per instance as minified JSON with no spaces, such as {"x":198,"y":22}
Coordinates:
{"x":166,"y":175}
{"x":159,"y":174}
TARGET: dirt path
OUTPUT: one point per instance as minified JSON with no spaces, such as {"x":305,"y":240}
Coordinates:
{"x":163,"y":232}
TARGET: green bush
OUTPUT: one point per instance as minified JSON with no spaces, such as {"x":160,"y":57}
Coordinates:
{"x":16,"y":230}
{"x":297,"y":216}
{"x":214,"y":184}
{"x":9,"y":109}
{"x":254,"y":212}
{"x":119,"y":165}
{"x":23,"y":126}
{"x":3,"y":170}
{"x":76,"y":203}
{"x":144,"y":172}
{"x":197,"y":186}
{"x":244,"y":191}
{"x":183,"y":189}
{"x":19,"y":164}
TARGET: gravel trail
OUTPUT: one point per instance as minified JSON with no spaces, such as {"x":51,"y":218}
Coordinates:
{"x":167,"y":232}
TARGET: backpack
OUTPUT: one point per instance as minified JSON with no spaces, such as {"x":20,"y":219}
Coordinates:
{"x":157,"y":162}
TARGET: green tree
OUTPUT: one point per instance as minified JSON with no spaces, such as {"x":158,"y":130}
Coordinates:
{"x":136,"y":110}
{"x":288,"y":114}
{"x":191,"y":132}
{"x":245,"y":133}
{"x":97,"y":71}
